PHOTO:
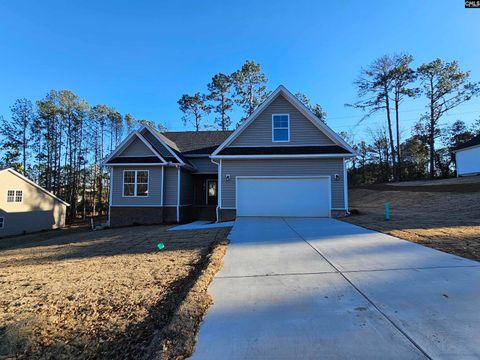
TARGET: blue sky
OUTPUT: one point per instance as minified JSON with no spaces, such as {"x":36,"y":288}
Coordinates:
{"x":140,"y":56}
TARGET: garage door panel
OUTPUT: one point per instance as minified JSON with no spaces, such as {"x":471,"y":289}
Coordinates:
{"x":283,"y":196}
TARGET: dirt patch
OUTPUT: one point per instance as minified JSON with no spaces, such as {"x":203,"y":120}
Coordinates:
{"x":107,"y":294}
{"x":446,"y":221}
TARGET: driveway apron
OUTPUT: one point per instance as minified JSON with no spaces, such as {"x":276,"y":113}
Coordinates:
{"x":310,"y":288}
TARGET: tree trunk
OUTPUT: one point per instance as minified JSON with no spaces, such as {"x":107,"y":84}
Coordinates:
{"x":431,"y":139}
{"x":399,"y":152}
{"x":390,"y":132}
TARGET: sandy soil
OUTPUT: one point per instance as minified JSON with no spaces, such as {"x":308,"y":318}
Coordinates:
{"x":107,"y":294}
{"x":447,"y":221}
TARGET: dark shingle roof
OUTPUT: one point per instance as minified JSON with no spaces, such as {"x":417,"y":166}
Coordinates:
{"x":284,"y":150}
{"x":197,"y":142}
{"x":472,"y":142}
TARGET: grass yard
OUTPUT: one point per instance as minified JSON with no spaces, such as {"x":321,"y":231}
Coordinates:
{"x":444,"y":215}
{"x":106,"y":294}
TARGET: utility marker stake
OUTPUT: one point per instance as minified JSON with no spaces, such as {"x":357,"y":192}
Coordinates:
{"x":387,"y":211}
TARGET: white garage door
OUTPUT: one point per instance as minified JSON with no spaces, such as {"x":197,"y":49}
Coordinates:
{"x":283,"y":196}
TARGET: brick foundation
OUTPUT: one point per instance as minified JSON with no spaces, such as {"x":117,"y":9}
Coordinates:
{"x":226,"y":214}
{"x":338,"y":213}
{"x":123,"y":216}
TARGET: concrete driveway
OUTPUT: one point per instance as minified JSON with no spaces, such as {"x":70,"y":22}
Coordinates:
{"x":298,"y":288}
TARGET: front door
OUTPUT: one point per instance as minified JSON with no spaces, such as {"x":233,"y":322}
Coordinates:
{"x":212,"y":192}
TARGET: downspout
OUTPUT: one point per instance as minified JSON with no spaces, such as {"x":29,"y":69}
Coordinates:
{"x":345,"y":186}
{"x":219,"y":197}
{"x":110,"y":196}
{"x":178,"y":193}
{"x":163,"y":185}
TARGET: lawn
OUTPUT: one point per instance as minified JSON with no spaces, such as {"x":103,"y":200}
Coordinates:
{"x":444,"y":215}
{"x":106,"y":294}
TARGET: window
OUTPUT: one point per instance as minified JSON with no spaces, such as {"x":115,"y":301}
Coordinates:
{"x":15,"y":196}
{"x":1,"y":222}
{"x":280,"y":127}
{"x":135,"y":183}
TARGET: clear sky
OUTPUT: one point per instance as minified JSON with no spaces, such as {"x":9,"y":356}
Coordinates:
{"x":140,"y":56}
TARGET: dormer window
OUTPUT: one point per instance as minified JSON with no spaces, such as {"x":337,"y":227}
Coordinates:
{"x":280,"y":127}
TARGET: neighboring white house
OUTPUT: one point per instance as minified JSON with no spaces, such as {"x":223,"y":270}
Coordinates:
{"x":468,"y":157}
{"x":27,"y":207}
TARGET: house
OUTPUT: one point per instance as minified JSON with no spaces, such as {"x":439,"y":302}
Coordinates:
{"x":27,"y":207}
{"x":282,"y":161}
{"x":467,"y":157}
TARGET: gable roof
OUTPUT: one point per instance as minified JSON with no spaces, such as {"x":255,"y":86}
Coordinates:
{"x":472,"y":142}
{"x":197,"y":142}
{"x":124,"y":144}
{"x":281,"y":90}
{"x":33,"y":184}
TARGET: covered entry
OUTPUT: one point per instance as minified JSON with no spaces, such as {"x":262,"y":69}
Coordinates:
{"x":283,"y":196}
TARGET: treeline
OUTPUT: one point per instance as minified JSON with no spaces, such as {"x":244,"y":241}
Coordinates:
{"x":60,"y":141}
{"x":382,"y":88}
{"x":245,"y":88}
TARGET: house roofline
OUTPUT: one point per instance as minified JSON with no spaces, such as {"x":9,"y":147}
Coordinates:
{"x":16,"y":173}
{"x":295,"y":156}
{"x":297,"y":104}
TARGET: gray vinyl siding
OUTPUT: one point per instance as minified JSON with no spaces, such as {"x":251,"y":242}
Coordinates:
{"x":186,"y":188}
{"x":302,"y":130}
{"x":156,"y":144}
{"x":154,"y":187}
{"x":171,"y":183}
{"x":136,"y":148}
{"x":204,"y":165}
{"x":282,"y":167}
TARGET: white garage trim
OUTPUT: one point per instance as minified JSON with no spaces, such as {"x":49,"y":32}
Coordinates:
{"x":329,"y":184}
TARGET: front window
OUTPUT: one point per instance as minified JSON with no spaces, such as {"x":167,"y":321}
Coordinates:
{"x":1,"y":222}
{"x":15,"y":196}
{"x":280,"y":128}
{"x":135,"y":183}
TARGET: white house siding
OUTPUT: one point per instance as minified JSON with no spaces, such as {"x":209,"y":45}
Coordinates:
{"x":37,"y":211}
{"x":302,"y":130}
{"x":154,"y":187}
{"x":468,"y":161}
{"x":282,"y":167}
{"x":204,"y":165}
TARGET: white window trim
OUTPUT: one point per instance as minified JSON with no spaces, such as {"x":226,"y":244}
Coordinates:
{"x":282,"y":128}
{"x":135,"y":185}
{"x":14,"y":196}
{"x":2,"y":222}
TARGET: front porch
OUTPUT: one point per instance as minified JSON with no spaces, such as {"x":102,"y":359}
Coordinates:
{"x":205,"y":196}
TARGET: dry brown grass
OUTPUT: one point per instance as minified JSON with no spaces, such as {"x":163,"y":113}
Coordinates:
{"x":107,"y":294}
{"x":447,"y":221}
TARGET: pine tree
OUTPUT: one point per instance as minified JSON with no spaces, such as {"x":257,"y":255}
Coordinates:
{"x":194,"y":109}
{"x":220,"y":93}
{"x":250,"y":85}
{"x":445,"y":86}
